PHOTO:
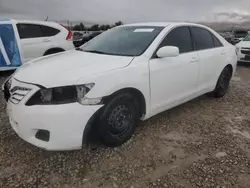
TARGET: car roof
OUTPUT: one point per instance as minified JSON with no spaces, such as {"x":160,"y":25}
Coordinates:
{"x":46,"y":23}
{"x":4,"y":19}
{"x":162,"y":24}
{"x":35,"y":21}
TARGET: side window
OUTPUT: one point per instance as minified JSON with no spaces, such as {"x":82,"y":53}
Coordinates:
{"x":29,"y":31}
{"x":217,"y":42}
{"x":49,"y":31}
{"x":181,"y":38}
{"x":202,"y":38}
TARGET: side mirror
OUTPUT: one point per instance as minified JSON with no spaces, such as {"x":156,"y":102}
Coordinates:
{"x":168,"y":51}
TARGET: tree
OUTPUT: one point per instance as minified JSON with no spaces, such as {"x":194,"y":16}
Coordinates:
{"x":82,"y":27}
{"x":118,"y":23}
{"x":104,"y":27}
{"x":94,"y":27}
{"x":77,"y":28}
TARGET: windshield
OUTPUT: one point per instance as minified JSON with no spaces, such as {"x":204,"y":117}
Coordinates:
{"x":240,"y":33}
{"x":124,"y":41}
{"x":247,"y":38}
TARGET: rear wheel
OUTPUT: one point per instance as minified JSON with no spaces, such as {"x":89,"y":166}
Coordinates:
{"x":118,"y":120}
{"x":223,"y":83}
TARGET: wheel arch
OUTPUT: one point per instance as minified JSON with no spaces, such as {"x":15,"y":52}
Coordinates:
{"x":55,"y":49}
{"x":135,"y":93}
{"x":230,"y":68}
{"x":89,"y":133}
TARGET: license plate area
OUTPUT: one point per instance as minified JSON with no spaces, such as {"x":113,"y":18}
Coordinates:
{"x":247,"y":57}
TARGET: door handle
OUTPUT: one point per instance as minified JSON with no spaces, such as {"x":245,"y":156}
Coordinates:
{"x":194,"y":59}
{"x":223,"y":53}
{"x":46,"y":40}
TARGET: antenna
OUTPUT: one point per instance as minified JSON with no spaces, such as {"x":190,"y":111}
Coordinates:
{"x":47,"y":18}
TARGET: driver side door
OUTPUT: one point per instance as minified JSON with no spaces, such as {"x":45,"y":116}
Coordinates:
{"x":174,"y":80}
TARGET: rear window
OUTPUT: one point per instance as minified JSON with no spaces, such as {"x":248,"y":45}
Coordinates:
{"x":35,"y":31}
{"x":49,"y":31}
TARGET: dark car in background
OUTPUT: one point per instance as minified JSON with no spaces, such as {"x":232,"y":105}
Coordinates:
{"x":227,"y":36}
{"x":80,"y":41}
{"x":238,"y":35}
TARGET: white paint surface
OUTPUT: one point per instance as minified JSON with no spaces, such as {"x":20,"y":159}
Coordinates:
{"x":163,"y":82}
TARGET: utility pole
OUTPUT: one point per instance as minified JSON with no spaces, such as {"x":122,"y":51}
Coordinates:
{"x":68,"y":23}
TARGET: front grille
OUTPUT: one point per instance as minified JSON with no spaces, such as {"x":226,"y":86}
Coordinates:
{"x":247,"y":52}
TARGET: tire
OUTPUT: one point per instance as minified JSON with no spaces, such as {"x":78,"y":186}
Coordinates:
{"x":118,"y":120}
{"x":223,"y":83}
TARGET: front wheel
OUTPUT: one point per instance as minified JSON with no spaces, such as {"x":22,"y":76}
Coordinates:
{"x":223,"y":83}
{"x":118,"y":120}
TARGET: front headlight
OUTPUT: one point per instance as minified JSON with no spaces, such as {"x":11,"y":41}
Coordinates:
{"x":60,"y":95}
{"x":237,"y":49}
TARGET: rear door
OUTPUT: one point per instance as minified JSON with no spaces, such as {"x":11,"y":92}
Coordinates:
{"x":211,"y":53}
{"x":33,"y":41}
{"x":51,"y":34}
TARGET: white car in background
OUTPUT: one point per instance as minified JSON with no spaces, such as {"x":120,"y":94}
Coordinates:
{"x":40,"y":38}
{"x":104,"y":87}
{"x":243,"y":50}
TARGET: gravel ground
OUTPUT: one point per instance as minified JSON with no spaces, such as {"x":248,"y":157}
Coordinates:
{"x":203,"y":143}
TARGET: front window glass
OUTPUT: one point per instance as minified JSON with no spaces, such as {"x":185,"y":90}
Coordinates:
{"x":181,"y":38}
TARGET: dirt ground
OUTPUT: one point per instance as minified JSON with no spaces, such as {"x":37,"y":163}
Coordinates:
{"x":203,"y":143}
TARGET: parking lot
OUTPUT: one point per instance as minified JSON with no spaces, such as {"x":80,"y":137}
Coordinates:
{"x":203,"y":143}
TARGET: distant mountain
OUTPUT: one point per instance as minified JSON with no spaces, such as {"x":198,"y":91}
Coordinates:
{"x":218,"y":26}
{"x":72,"y":23}
{"x":227,"y":26}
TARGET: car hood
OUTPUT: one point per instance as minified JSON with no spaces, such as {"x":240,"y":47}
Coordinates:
{"x":243,"y":44}
{"x":68,"y":67}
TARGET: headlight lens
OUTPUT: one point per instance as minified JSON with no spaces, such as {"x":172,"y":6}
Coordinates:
{"x":82,"y":90}
{"x":60,"y":95}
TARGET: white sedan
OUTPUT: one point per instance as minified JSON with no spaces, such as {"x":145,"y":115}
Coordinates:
{"x":106,"y":86}
{"x":243,"y":50}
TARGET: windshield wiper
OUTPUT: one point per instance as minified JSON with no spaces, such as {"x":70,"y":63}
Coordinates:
{"x":94,"y":51}
{"x":79,"y":49}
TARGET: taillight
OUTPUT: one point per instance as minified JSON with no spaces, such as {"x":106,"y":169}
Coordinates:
{"x":70,"y":34}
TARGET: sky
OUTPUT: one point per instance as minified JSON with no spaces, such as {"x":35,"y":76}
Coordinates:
{"x":128,"y":11}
